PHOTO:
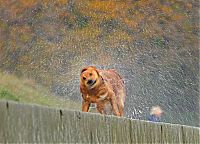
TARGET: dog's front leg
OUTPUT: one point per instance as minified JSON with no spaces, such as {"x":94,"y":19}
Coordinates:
{"x":85,"y":106}
{"x":114,"y":105}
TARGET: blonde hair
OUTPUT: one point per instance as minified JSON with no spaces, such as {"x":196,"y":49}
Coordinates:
{"x":156,"y":110}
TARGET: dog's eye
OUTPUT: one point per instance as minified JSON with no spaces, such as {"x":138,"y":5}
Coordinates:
{"x":90,"y":74}
{"x":84,"y":78}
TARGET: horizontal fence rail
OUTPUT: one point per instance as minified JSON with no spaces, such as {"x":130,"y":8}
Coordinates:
{"x":25,"y":123}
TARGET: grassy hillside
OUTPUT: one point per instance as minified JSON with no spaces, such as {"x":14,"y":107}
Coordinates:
{"x":51,"y":40}
{"x":26,"y":90}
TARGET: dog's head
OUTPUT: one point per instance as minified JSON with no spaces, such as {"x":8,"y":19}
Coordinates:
{"x":90,"y":77}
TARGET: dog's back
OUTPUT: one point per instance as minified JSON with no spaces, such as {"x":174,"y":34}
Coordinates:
{"x":116,"y":82}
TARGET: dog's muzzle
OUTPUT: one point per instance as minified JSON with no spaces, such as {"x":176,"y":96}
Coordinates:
{"x":91,"y":82}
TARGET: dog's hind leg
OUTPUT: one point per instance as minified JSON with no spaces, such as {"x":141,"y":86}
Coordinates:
{"x":120,"y":104}
{"x":121,"y":109}
{"x":114,"y":105}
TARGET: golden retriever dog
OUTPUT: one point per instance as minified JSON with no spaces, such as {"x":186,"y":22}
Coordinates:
{"x":103,"y":87}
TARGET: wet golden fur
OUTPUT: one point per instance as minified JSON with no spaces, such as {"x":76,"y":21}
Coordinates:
{"x":103,"y":87}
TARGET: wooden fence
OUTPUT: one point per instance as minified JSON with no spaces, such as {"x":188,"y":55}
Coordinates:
{"x":24,"y":123}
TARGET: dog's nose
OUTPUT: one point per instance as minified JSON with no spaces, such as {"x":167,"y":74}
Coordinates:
{"x":90,"y":82}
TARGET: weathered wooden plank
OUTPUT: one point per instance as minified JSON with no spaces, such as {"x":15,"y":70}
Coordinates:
{"x":76,"y":127}
{"x":15,"y":121}
{"x":3,"y":122}
{"x":119,"y":129}
{"x":22,"y":123}
{"x":171,"y":133}
{"x":26,"y":124}
{"x":94,"y":128}
{"x":47,"y":126}
{"x":145,"y":132}
{"x":191,"y":135}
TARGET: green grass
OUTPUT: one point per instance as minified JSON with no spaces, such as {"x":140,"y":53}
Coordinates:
{"x":6,"y":94}
{"x":27,"y":91}
{"x":159,"y":42}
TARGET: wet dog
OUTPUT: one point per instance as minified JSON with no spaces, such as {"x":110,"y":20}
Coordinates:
{"x":103,"y":87}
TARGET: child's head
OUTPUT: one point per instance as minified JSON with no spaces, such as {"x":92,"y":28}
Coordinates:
{"x":156,"y":110}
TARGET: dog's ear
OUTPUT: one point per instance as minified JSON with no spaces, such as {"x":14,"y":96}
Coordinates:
{"x":84,"y":69}
{"x":97,"y":72}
